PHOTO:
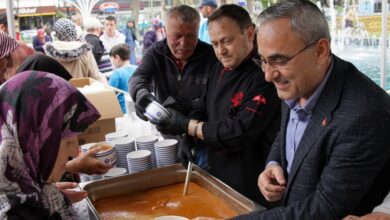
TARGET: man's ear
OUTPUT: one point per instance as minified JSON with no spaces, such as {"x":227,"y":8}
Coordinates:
{"x":250,"y":30}
{"x":323,"y":50}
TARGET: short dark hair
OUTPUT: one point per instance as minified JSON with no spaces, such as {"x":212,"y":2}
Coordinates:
{"x":236,"y":13}
{"x":122,"y":50}
{"x":3,"y":19}
{"x":110,"y":18}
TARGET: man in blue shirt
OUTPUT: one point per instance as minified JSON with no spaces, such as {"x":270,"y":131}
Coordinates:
{"x":331,"y":156}
{"x":207,"y":8}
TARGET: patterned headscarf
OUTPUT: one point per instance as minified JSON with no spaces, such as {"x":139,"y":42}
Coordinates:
{"x":37,"y":110}
{"x":65,"y":30}
{"x":7,"y":44}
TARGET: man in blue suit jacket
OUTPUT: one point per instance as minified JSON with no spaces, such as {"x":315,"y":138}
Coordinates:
{"x":331,"y":157}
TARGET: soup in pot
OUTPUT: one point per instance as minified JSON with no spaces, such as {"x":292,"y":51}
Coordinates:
{"x":167,"y":200}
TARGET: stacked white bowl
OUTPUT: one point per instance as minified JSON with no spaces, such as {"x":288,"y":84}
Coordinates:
{"x":139,"y":161}
{"x":123,"y":146}
{"x":147,"y":143}
{"x":114,"y":135}
{"x":166,"y":151}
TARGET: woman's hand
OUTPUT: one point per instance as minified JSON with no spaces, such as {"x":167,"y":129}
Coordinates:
{"x":73,"y":195}
{"x":87,"y":163}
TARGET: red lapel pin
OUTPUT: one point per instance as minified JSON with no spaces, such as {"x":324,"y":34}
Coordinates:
{"x":324,"y":122}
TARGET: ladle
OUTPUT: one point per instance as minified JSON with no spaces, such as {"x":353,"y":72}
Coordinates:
{"x":188,"y":177}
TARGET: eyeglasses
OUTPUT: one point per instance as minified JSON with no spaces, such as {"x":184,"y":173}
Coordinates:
{"x":280,"y":62}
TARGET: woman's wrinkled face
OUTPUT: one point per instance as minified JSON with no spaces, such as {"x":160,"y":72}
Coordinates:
{"x":5,"y":63}
{"x":69,"y":147}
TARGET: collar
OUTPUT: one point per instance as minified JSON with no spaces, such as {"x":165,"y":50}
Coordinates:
{"x":247,"y":59}
{"x":244,"y":61}
{"x":105,"y":34}
{"x":200,"y":49}
{"x":179,"y":63}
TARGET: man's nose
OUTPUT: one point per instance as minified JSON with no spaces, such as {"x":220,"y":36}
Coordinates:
{"x":221,"y":50}
{"x":270,"y":73}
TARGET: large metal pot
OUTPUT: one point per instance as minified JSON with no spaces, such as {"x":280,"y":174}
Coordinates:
{"x":162,"y":177}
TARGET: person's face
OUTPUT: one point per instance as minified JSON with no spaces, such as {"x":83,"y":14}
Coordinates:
{"x":17,"y":58}
{"x":204,"y":11}
{"x":110,"y":26}
{"x":116,"y":61}
{"x":5,"y":63}
{"x":69,"y":147}
{"x":3,"y":28}
{"x":182,"y":37}
{"x":130,"y":24}
{"x":41,"y":35}
{"x":299,"y":76}
{"x":231,"y":45}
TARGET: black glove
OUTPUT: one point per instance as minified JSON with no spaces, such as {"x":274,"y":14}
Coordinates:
{"x":174,"y":125}
{"x":184,"y":153}
{"x":143,"y":99}
{"x":179,"y":104}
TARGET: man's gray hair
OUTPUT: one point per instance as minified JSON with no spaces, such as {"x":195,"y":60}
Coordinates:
{"x":92,"y":24}
{"x":186,"y":13}
{"x":306,"y":18}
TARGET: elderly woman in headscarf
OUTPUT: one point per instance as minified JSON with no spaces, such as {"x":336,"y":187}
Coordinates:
{"x":35,"y":145}
{"x":37,"y":61}
{"x":74,"y":55}
{"x":40,"y":62}
{"x":12,"y":55}
{"x":7,"y":46}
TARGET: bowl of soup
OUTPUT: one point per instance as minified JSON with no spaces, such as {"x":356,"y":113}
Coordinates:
{"x":106,"y":154}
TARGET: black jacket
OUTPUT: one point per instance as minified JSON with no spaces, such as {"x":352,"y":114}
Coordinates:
{"x":242,"y":116}
{"x":159,"y":73}
{"x":97,"y":46}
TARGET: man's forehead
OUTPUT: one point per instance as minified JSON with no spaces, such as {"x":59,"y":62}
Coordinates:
{"x":178,"y":26}
{"x":280,"y":45}
{"x":180,"y":22}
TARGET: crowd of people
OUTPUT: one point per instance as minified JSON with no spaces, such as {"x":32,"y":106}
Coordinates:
{"x":267,"y":108}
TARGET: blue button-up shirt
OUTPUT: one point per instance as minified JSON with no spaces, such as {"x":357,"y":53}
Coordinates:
{"x":299,"y":119}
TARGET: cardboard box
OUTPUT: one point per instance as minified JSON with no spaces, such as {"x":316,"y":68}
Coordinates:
{"x":105,"y":101}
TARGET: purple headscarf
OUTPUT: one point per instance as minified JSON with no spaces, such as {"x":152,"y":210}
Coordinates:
{"x":37,"y":110}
